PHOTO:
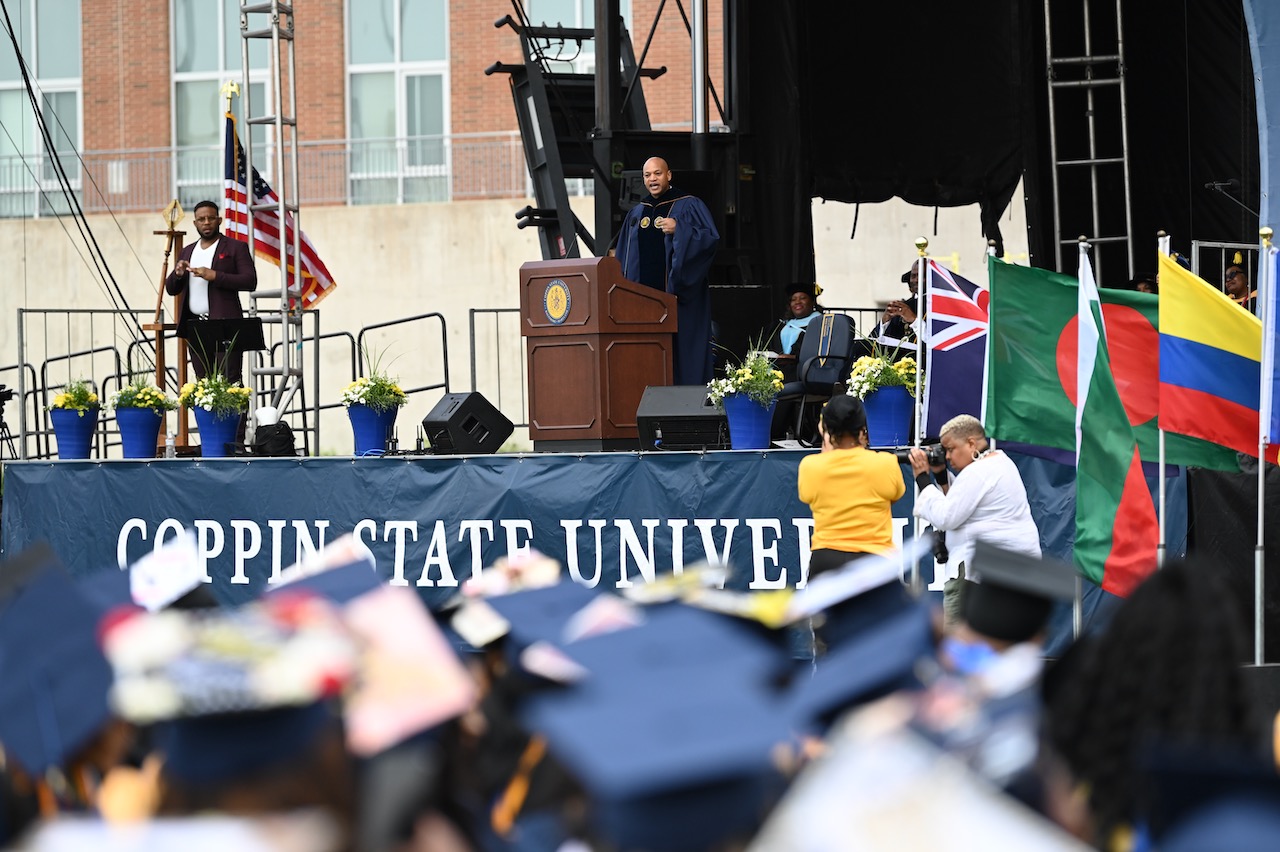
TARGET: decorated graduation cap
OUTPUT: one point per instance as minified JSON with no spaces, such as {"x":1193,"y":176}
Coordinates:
{"x":1016,"y":595}
{"x":237,"y":690}
{"x":53,"y":677}
{"x":673,"y":734}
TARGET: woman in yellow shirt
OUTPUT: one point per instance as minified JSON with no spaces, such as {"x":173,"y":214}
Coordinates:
{"x":849,"y":489}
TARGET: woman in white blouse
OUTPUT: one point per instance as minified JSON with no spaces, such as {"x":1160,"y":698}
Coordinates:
{"x":985,"y":499}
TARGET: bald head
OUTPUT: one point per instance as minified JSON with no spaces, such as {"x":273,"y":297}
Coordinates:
{"x":657,"y":176}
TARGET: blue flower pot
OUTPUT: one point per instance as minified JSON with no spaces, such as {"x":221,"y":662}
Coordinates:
{"x":74,"y":431}
{"x":139,"y":430}
{"x":749,"y":422}
{"x":216,"y":431}
{"x":889,"y":412}
{"x":371,"y":428}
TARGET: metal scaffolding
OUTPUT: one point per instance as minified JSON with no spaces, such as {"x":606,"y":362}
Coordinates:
{"x":1088,"y":133}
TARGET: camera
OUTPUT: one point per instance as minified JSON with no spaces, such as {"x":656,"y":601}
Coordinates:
{"x":936,"y":455}
{"x":6,"y":394}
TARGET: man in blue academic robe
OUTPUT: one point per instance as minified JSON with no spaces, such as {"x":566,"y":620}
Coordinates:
{"x":668,"y":242}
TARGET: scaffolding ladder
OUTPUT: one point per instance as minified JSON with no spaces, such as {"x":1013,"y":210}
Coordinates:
{"x":1088,"y":122}
{"x":279,"y":381}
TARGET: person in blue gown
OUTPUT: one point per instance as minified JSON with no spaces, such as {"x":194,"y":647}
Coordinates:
{"x":668,"y":242}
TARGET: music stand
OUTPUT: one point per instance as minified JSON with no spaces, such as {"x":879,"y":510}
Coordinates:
{"x":217,"y":339}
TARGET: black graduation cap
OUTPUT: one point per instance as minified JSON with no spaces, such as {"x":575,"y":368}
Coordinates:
{"x":1016,"y":595}
{"x":54,"y":678}
{"x":801,"y":287}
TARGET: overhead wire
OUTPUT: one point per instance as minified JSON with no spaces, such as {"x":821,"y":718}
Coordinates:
{"x":99,"y":262}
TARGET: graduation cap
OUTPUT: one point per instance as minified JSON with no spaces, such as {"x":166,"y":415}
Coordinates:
{"x":802,"y":287}
{"x":1017,"y":592}
{"x":675,"y":750}
{"x":235,"y":690}
{"x":879,"y":661}
{"x":540,"y":614}
{"x":53,"y":677}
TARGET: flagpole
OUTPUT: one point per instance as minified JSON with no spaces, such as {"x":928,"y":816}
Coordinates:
{"x":1077,"y":604}
{"x":986,"y":355}
{"x":1162,"y":247}
{"x":922,"y":348}
{"x":1264,"y":429}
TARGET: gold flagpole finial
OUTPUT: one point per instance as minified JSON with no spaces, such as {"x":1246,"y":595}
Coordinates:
{"x":172,"y":214}
{"x":229,"y":90}
{"x":922,"y":246}
{"x":1266,"y":234}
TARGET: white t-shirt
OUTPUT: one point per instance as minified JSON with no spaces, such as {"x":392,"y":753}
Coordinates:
{"x":198,"y":288}
{"x":986,"y":501}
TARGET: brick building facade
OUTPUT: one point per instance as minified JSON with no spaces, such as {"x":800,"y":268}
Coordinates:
{"x":392,"y":101}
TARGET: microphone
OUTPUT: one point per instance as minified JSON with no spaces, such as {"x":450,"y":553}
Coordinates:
{"x":1220,"y":185}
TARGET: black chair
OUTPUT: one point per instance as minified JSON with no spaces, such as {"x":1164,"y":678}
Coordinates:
{"x":823,"y":362}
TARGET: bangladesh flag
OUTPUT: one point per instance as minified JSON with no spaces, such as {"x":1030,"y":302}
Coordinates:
{"x":1116,"y":530}
{"x":1031,"y":370}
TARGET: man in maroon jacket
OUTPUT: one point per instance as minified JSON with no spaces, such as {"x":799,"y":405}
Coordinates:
{"x":210,"y":273}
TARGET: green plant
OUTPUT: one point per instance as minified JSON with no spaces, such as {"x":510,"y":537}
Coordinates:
{"x":882,"y":369}
{"x":376,"y":390}
{"x":214,"y":393}
{"x":754,"y":377}
{"x":78,"y":396}
{"x":142,"y":394}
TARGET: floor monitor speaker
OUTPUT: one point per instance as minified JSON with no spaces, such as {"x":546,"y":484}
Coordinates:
{"x":467,"y":424}
{"x":680,"y":418}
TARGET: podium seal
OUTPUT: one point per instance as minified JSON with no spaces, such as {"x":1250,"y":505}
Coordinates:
{"x":556,"y":301}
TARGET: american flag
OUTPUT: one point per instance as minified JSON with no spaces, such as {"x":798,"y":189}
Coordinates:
{"x":316,"y":280}
{"x":954,"y":383}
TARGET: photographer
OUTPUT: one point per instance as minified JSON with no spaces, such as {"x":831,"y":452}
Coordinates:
{"x":985,"y":500}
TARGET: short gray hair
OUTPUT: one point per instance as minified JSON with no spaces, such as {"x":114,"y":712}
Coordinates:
{"x":963,"y":426}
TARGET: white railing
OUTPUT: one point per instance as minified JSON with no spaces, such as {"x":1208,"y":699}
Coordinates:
{"x":344,"y":171}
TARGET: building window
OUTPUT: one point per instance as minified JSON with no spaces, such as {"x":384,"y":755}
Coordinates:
{"x":49,"y":38}
{"x":207,"y":54}
{"x":570,"y":57}
{"x":398,"y":101}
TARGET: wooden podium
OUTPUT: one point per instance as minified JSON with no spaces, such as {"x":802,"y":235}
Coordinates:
{"x":595,"y":341}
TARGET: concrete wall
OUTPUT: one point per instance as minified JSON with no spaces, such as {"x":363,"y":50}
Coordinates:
{"x":395,"y":262}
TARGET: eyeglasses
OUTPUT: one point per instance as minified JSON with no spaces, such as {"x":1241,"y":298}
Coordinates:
{"x":1232,"y":274}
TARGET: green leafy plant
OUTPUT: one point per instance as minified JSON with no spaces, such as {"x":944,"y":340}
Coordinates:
{"x":755,"y":377}
{"x":882,"y":369}
{"x":377,"y":390}
{"x":78,"y":396}
{"x":142,"y":394}
{"x":214,"y":393}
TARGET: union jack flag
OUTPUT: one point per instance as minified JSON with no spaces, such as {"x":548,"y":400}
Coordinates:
{"x":957,"y":313}
{"x":316,"y":280}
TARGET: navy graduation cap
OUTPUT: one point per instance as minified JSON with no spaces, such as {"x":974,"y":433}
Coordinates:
{"x":54,"y":678}
{"x":878,"y":661}
{"x":674,"y":736}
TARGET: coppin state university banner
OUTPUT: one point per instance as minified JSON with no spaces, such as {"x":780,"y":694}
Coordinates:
{"x":611,"y":519}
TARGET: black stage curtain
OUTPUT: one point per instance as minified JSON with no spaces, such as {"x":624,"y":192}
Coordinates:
{"x":1191,"y":120}
{"x":925,"y":101}
{"x":1223,"y":525}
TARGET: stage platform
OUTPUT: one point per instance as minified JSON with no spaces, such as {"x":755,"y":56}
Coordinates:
{"x":432,"y":522}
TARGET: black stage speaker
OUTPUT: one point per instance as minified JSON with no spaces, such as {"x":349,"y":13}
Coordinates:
{"x":680,"y":418}
{"x":465,"y":423}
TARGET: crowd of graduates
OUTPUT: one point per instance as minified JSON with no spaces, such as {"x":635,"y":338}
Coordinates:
{"x":337,"y":712}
